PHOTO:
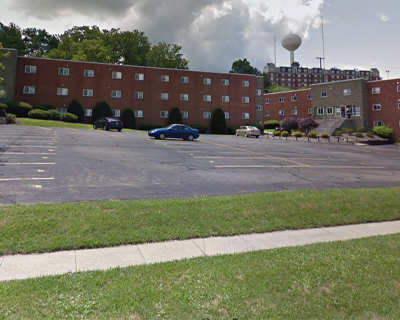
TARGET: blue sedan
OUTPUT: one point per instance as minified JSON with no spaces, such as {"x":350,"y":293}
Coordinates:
{"x":175,"y":131}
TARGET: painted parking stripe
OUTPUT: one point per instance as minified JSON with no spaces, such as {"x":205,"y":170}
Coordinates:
{"x":24,"y":179}
{"x":299,"y":166}
{"x":27,"y":163}
{"x":260,"y":158}
{"x":28,"y":153}
{"x":17,"y":146}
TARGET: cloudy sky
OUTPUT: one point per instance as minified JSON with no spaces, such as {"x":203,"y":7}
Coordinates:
{"x":358,"y":34}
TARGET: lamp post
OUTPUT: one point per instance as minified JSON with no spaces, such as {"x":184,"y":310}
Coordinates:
{"x":387,"y":72}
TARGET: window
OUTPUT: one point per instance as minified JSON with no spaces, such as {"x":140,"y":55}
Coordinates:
{"x":294,"y":112}
{"x":329,"y":110}
{"x":258,"y":108}
{"x":184,"y":97}
{"x":376,"y":90}
{"x":87,"y":92}
{"x":184,"y":114}
{"x":245,"y":99}
{"x":267,"y":113}
{"x":139,"y":95}
{"x":62,"y":110}
{"x":225,"y":82}
{"x":377,"y":123}
{"x":398,"y":88}
{"x":62,"y":91}
{"x":163,"y":114}
{"x":139,"y":76}
{"x":324,"y":94}
{"x":226,"y":115}
{"x":207,"y":81}
{"x":225,"y":98}
{"x":184,"y":79}
{"x":347,"y":92}
{"x":281,"y":99}
{"x":245,"y":115}
{"x":281,"y":112}
{"x":320,"y":111}
{"x":266,"y":101}
{"x":138,"y":113}
{"x":88,"y":73}
{"x":309,"y":97}
{"x":116,"y":113}
{"x":207,"y":98}
{"x":376,"y":107}
{"x":165,"y":78}
{"x":29,"y":90}
{"x":207,"y":115}
{"x":245,"y":83}
{"x":258,"y":92}
{"x":63,"y":71}
{"x":294,"y":98}
{"x":398,"y":103}
{"x":87,"y":112}
{"x":115,"y":94}
{"x":117,"y":75}
{"x":30,"y":69}
{"x":164,"y":96}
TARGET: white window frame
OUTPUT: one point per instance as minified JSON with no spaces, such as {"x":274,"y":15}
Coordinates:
{"x":62,"y":110}
{"x":320,"y":111}
{"x":88,"y":92}
{"x":245,"y":83}
{"x":347,"y":92}
{"x":398,"y":88}
{"x":266,"y":113}
{"x":164,"y":114}
{"x":309,"y":96}
{"x":88,"y":73}
{"x":294,"y":112}
{"x":398,"y":105}
{"x":324,"y":94}
{"x":258,"y":107}
{"x":245,"y":99}
{"x":281,"y":112}
{"x":117,"y":75}
{"x":378,"y":123}
{"x":165,"y":78}
{"x":266,"y":101}
{"x":329,"y":110}
{"x":309,"y":111}
{"x":207,"y":81}
{"x":207,"y":98}
{"x":138,"y":113}
{"x":225,"y":98}
{"x":258,"y":92}
{"x":139,"y":76}
{"x":63,"y":71}
{"x":184,"y":114}
{"x":376,"y":90}
{"x":116,"y":113}
{"x":164,"y":96}
{"x":245,"y":115}
{"x":293,"y":98}
{"x":184,"y":79}
{"x":184,"y":97}
{"x":87,"y":112}
{"x":207,"y":115}
{"x":62,"y":91}
{"x":139,"y":95}
{"x":116,"y":94}
{"x":281,"y":99}
{"x":226,"y":115}
{"x":225,"y":82}
{"x":29,"y":90}
{"x":376,"y":107}
{"x":30,"y":69}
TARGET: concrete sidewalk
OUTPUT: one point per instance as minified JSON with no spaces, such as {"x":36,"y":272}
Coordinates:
{"x":37,"y":265}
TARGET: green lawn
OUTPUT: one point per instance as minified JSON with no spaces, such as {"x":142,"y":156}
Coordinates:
{"x":53,"y":227}
{"x":357,"y":279}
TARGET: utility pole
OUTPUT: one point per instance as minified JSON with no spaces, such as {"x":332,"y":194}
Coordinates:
{"x":320,"y":66}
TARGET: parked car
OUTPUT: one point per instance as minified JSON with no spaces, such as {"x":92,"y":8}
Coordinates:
{"x":248,"y":131}
{"x":175,"y":131}
{"x":107,"y":123}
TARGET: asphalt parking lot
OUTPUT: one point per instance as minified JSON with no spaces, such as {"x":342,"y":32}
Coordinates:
{"x":67,"y":165}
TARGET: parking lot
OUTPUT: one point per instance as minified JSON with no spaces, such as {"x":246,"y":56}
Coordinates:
{"x":66,"y":165}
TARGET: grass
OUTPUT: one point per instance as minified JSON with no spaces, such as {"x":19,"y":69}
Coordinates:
{"x":53,"y":227}
{"x":357,"y":279}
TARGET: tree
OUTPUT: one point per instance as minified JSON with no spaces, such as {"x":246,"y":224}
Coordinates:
{"x":289,"y":124}
{"x":2,"y":55}
{"x":11,"y":37}
{"x":164,"y":55}
{"x":307,"y":124}
{"x":267,"y":82}
{"x":128,"y":118}
{"x":218,"y":122}
{"x":102,"y":109}
{"x":244,"y":66}
{"x":174,"y":116}
{"x":38,"y":42}
{"x":295,"y":64}
{"x":76,"y":109}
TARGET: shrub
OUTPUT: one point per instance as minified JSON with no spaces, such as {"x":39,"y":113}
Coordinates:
{"x":257,"y":125}
{"x":298,"y":134}
{"x":3,"y":109}
{"x":150,"y":126}
{"x":232,"y":129}
{"x":289,"y":124}
{"x":359,"y":135}
{"x":325,"y":135}
{"x":201,"y":127}
{"x":338,"y":133}
{"x":370,"y":134}
{"x":20,"y":109}
{"x":348,"y":130}
{"x":128,"y":119}
{"x":102,"y":109}
{"x":361,"y":129}
{"x":312,"y":134}
{"x":53,"y":115}
{"x":69,"y":117}
{"x":76,"y":109}
{"x":45,"y":107}
{"x":307,"y":124}
{"x":383,"y":131}
{"x":271,"y":124}
{"x":38,"y":114}
{"x":174,"y":116}
{"x":284,"y":133}
{"x":277,"y":133}
{"x":218,"y":122}
{"x":11,"y":118}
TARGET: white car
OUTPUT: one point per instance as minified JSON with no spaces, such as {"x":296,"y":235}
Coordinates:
{"x":248,"y":131}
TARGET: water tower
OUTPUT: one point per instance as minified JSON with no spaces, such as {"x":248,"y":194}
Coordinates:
{"x":291,"y":42}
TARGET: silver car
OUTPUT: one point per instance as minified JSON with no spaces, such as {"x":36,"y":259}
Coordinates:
{"x":248,"y":131}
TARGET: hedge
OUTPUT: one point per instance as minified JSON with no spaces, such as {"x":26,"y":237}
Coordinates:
{"x":149,"y":126}
{"x":201,"y":127}
{"x":69,"y":117}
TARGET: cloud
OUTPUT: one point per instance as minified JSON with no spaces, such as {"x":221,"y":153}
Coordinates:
{"x":383,"y":17}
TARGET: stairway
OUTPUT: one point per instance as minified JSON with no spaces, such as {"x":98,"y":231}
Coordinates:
{"x":329,"y":125}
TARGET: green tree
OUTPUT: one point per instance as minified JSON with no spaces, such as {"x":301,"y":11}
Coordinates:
{"x":218,"y":122}
{"x":80,"y":34}
{"x":295,"y":64}
{"x":244,"y":66}
{"x":267,"y":82}
{"x":102,"y":109}
{"x":128,"y":118}
{"x":174,"y":116}
{"x":2,"y":55}
{"x":92,"y":51}
{"x":39,"y":42}
{"x":76,"y":108}
{"x":164,"y":55}
{"x":11,"y":37}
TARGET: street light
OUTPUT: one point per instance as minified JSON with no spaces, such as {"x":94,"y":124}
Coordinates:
{"x":387,"y":72}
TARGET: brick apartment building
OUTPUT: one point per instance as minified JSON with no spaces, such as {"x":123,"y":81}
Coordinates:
{"x":150,"y":92}
{"x":350,"y":103}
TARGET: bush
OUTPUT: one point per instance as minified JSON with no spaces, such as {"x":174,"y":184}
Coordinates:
{"x":284,"y":133}
{"x":201,"y":127}
{"x":174,"y":116}
{"x":348,"y":130}
{"x":76,"y":109}
{"x":359,"y":135}
{"x":383,"y":131}
{"x":53,"y":115}
{"x":312,"y":134}
{"x":289,"y":124}
{"x":277,"y":133}
{"x":325,"y":135}
{"x":218,"y":122}
{"x":298,"y":134}
{"x":338,"y":133}
{"x":128,"y":119}
{"x":370,"y":134}
{"x":232,"y":129}
{"x":150,"y":126}
{"x":45,"y":107}
{"x":307,"y":124}
{"x":271,"y":124}
{"x":69,"y":117}
{"x":361,"y":129}
{"x":11,"y":118}
{"x":38,"y":114}
{"x":257,"y":125}
{"x":102,"y":109}
{"x":20,"y":109}
{"x":3,"y":109}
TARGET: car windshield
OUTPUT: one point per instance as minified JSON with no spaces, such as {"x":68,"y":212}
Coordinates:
{"x":253,"y":128}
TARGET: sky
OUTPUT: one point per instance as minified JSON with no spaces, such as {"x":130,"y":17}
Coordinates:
{"x":348,"y":34}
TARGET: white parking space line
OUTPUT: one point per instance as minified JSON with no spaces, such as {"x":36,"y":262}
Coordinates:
{"x":24,"y":179}
{"x":17,"y":146}
{"x":299,"y":166}
{"x":28,"y":153}
{"x":27,"y":163}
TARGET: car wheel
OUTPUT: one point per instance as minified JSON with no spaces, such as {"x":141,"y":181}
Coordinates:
{"x":105,"y":128}
{"x":245,"y":134}
{"x":119,"y":130}
{"x":94,"y":127}
{"x":257,"y":137}
{"x":237,"y":134}
{"x":161,"y":136}
{"x":190,"y":137}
